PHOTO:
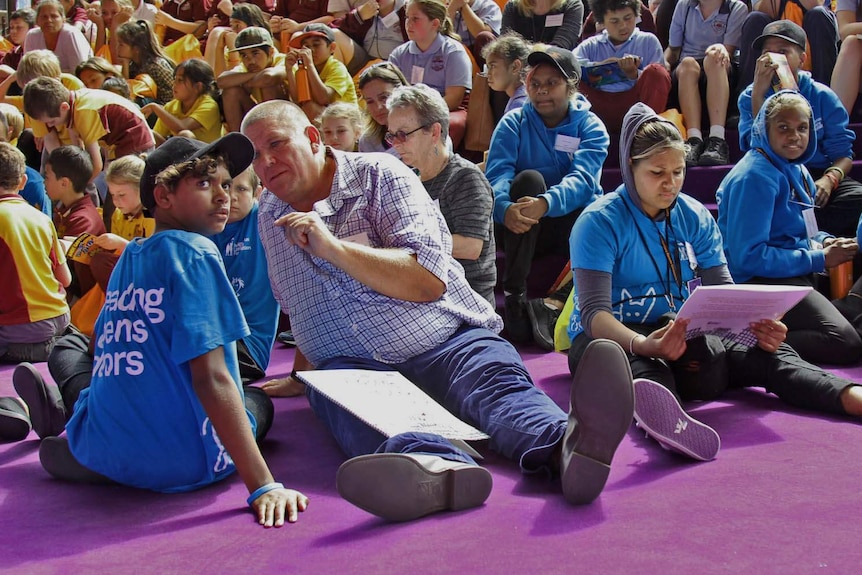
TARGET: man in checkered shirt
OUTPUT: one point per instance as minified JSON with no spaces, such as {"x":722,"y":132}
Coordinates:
{"x":360,"y":258}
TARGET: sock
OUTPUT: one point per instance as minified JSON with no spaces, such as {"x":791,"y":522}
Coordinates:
{"x":695,"y":133}
{"x":716,"y":132}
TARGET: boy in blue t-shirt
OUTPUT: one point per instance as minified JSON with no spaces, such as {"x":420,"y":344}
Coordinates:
{"x":159,"y":404}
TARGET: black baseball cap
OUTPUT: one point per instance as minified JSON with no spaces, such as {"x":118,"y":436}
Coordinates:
{"x":784,"y":29}
{"x":564,"y":60}
{"x":237,"y":150}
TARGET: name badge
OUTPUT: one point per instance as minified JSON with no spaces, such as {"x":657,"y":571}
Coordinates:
{"x":693,"y":284}
{"x":567,"y":144}
{"x":553,"y":20}
{"x":360,"y":238}
{"x":810,"y":222}
{"x":417,"y":74}
{"x":390,"y":19}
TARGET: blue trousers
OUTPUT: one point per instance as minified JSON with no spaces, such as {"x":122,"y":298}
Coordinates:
{"x":477,"y":376}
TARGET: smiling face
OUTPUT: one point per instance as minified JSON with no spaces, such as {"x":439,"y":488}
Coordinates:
{"x":376,"y":93}
{"x":199,"y":204}
{"x":620,"y":24}
{"x":658,"y":179}
{"x":788,"y":132}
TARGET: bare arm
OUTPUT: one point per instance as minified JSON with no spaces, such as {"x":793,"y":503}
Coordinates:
{"x":220,"y":398}
{"x":464,"y":248}
{"x":847,"y":24}
{"x":454,"y":96}
{"x":63,"y":275}
{"x":392,"y":272}
{"x":173,"y":123}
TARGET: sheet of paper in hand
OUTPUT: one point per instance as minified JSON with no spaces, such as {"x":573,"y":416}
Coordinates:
{"x":728,"y":310}
{"x":388,"y":402}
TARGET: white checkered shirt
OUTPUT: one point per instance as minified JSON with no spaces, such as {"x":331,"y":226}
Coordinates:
{"x":334,"y":315}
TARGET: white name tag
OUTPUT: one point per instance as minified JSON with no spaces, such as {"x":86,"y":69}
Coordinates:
{"x":810,"y":222}
{"x":553,"y":20}
{"x":417,"y":74}
{"x":567,"y":144}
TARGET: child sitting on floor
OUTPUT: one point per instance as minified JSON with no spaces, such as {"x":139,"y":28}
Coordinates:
{"x":33,"y":310}
{"x":160,"y":405}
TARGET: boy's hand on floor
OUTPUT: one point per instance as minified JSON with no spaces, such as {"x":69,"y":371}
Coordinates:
{"x":284,"y":387}
{"x":273,"y":507}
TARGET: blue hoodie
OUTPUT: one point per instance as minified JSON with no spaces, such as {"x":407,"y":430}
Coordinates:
{"x":834,"y":138}
{"x":760,"y":205}
{"x":521,"y":142}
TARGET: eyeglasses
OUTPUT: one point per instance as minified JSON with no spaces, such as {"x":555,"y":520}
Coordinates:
{"x":401,"y":136}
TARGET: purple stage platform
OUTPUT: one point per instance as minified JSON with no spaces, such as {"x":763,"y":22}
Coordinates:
{"x":780,"y":498}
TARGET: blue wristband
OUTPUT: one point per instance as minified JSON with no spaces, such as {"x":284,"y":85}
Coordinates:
{"x":263,"y":489}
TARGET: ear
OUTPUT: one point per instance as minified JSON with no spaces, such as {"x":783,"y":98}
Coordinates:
{"x":64,"y":107}
{"x":22,"y":183}
{"x":313,"y":135}
{"x":437,"y":130}
{"x":162,"y":196}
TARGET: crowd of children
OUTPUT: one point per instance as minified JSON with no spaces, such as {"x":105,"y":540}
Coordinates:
{"x":121,"y":120}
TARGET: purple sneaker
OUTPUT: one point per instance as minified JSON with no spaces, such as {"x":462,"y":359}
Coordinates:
{"x":662,"y":417}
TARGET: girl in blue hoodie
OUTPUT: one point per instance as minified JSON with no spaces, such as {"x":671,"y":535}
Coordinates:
{"x":766,"y":217}
{"x":636,"y":255}
{"x":545,"y":166}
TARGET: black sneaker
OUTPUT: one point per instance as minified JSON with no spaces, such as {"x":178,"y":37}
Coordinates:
{"x":543,"y":321}
{"x":716,"y":153}
{"x":695,"y":149}
{"x":516,"y":319}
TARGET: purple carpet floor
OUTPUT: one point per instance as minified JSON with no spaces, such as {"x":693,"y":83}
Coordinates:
{"x":780,"y":498}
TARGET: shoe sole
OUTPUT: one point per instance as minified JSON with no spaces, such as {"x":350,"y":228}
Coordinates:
{"x":13,"y":426}
{"x":538,"y":337}
{"x":602,"y":404}
{"x":659,"y":414}
{"x":707,"y":163}
{"x":396,"y":487}
{"x":44,"y":416}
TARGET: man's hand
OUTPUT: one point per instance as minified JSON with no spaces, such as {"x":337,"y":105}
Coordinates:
{"x":524,"y":214}
{"x":307,"y":230}
{"x":270,"y":507}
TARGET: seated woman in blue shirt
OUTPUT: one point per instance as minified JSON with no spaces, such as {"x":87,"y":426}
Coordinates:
{"x":637,"y":253}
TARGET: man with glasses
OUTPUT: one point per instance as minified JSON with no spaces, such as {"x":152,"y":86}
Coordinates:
{"x":362,"y":260}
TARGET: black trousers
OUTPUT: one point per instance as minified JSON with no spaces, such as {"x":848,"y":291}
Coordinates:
{"x":783,"y":373}
{"x":549,"y":236}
